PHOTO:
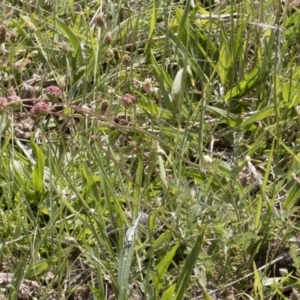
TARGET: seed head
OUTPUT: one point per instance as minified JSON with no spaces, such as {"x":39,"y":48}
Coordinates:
{"x":13,"y":37}
{"x":110,"y":53}
{"x":64,"y":47}
{"x":128,"y":100}
{"x":78,"y":7}
{"x":126,"y":59}
{"x":11,"y":91}
{"x":2,"y":33}
{"x":99,"y":20}
{"x":30,"y":27}
{"x":61,"y":83}
{"x":108,"y":38}
{"x":148,"y":86}
{"x":53,"y":92}
{"x":104,"y":107}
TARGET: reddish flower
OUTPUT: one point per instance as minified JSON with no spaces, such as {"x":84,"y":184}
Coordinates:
{"x":3,"y":101}
{"x":53,"y":92}
{"x":40,"y":108}
{"x":128,"y":100}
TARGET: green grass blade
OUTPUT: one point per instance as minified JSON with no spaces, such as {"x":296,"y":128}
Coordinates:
{"x":162,"y":267}
{"x":188,"y":267}
{"x":38,"y":172}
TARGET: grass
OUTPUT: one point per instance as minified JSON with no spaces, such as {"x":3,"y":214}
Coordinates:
{"x":149,"y":150}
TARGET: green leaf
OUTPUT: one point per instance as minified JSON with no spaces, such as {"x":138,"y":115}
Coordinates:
{"x":168,"y":294}
{"x":225,"y":61}
{"x":18,"y":277}
{"x":238,"y":39}
{"x":162,"y":268}
{"x":74,"y":39}
{"x":38,"y":172}
{"x":164,"y":79}
{"x":259,"y":204}
{"x":225,"y":116}
{"x":177,"y":84}
{"x":188,"y":268}
{"x":40,"y":268}
{"x":152,"y":22}
{"x":249,"y":82}
{"x":125,"y":259}
{"x":292,"y":197}
{"x":259,"y":115}
{"x":205,"y":294}
{"x":95,"y":292}
{"x":164,"y":238}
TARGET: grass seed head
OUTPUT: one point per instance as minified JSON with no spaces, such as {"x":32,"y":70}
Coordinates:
{"x":99,"y":20}
{"x":108,"y":38}
{"x":64,"y":47}
{"x":148,"y":86}
{"x":11,"y":91}
{"x":126,"y":59}
{"x":61,"y":83}
{"x":104,"y":106}
{"x":13,"y":37}
{"x":2,"y":33}
{"x":30,"y":27}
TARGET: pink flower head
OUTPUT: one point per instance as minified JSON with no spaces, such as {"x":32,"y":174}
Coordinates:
{"x":13,"y":98}
{"x":3,"y":101}
{"x":128,"y":100}
{"x":40,"y":108}
{"x":53,"y":92}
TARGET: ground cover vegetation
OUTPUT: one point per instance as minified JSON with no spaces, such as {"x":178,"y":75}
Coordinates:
{"x":149,"y":149}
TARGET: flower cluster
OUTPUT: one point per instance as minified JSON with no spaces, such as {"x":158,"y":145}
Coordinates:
{"x":3,"y":102}
{"x":53,"y":92}
{"x":40,"y":108}
{"x":128,"y":100}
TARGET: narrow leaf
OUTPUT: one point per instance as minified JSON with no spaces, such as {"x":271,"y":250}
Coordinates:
{"x":126,"y":258}
{"x":38,"y":172}
{"x":250,"y":81}
{"x":162,"y":268}
{"x":188,"y":268}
